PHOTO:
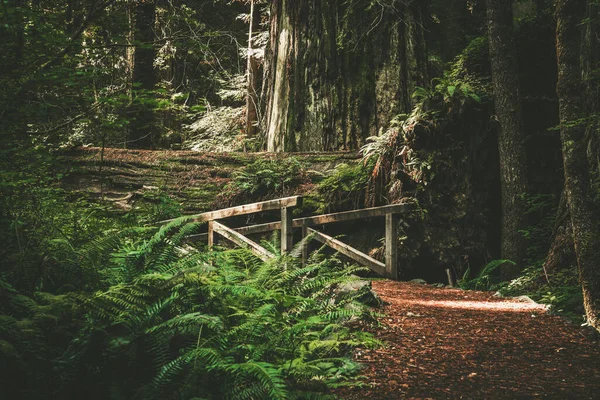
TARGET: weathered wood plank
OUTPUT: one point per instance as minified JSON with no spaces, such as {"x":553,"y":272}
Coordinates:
{"x":243,"y":210}
{"x":330,"y":218}
{"x":211,"y":234}
{"x":450,"y":277}
{"x":287,"y":233}
{"x":242,"y":241}
{"x":391,"y":245}
{"x":348,"y":251}
{"x":200,"y":237}
{"x":305,"y":243}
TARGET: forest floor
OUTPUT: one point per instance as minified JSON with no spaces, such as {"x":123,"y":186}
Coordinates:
{"x":449,"y":343}
{"x":194,"y":180}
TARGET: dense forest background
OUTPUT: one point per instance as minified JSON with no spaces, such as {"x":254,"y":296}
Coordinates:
{"x":482,"y":113}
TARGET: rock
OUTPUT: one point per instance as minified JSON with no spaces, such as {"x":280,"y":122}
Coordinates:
{"x":498,"y":294}
{"x":439,"y":285}
{"x":525,"y":299}
{"x":364,"y":289}
{"x":419,"y":281}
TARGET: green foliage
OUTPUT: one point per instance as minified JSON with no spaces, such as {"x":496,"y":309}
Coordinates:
{"x":345,"y":188}
{"x":172,"y":320}
{"x":471,"y":68}
{"x":216,"y":130}
{"x":68,"y":70}
{"x":540,"y":211}
{"x":487,"y":279}
{"x":265,"y":178}
{"x":561,"y":292}
{"x":33,"y":331}
{"x":447,"y":88}
{"x":161,"y":207}
{"x":435,"y":106}
{"x":40,"y":223}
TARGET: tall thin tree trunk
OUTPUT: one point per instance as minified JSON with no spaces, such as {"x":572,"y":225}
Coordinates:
{"x":252,"y":74}
{"x":278,"y":88}
{"x":513,"y":167}
{"x":584,"y":218}
{"x":142,"y":125}
{"x":20,"y":42}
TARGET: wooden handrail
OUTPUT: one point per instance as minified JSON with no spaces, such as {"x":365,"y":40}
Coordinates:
{"x":330,"y":218}
{"x":243,"y":210}
{"x":286,"y":225}
{"x":318,"y":220}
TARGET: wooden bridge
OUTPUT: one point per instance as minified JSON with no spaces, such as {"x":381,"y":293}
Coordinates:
{"x":287,"y":224}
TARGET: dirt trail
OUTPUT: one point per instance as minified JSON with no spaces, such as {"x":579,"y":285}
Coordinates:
{"x":445,"y":343}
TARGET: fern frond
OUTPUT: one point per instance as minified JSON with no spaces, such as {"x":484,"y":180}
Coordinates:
{"x":184,"y":322}
{"x":269,"y":376}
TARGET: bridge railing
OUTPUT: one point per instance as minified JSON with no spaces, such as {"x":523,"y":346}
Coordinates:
{"x":287,"y":224}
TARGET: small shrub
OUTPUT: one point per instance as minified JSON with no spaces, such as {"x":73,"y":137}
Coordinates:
{"x":487,"y":279}
{"x":265,"y":178}
{"x":345,"y":188}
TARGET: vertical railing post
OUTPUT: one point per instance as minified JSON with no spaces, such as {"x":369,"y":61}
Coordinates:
{"x":304,"y":243}
{"x":211,"y":235}
{"x":287,"y":233}
{"x":391,"y":245}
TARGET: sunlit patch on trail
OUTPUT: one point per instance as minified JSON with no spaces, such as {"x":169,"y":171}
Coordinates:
{"x":479,"y":305}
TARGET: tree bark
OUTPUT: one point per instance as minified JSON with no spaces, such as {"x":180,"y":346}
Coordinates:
{"x":252,"y":100}
{"x":513,"y":167}
{"x":590,"y":58}
{"x":584,"y":218}
{"x":561,"y":254}
{"x":142,"y":127}
{"x":337,"y":72}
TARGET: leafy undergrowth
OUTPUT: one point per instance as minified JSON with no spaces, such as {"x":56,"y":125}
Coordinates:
{"x":560,"y":291}
{"x":168,"y":321}
{"x":344,"y":187}
{"x":266,"y":178}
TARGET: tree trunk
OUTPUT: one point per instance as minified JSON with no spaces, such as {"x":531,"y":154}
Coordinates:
{"x":584,"y":218}
{"x":142,"y":127}
{"x":330,"y":82}
{"x":253,"y":67}
{"x":562,"y":253}
{"x":513,"y":167}
{"x":590,"y":57}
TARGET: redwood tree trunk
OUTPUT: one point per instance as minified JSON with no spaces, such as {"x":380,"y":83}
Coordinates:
{"x":513,"y":167}
{"x":329,"y":81}
{"x":584,"y":216}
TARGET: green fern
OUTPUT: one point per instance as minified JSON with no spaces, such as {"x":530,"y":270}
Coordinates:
{"x":485,"y":280}
{"x":219,"y":324}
